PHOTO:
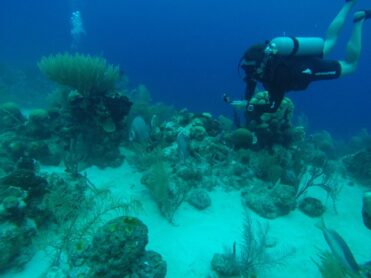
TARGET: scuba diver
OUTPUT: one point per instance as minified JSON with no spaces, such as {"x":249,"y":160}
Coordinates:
{"x":291,"y":63}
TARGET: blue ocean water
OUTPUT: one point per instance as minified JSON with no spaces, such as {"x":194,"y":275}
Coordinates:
{"x":186,"y":52}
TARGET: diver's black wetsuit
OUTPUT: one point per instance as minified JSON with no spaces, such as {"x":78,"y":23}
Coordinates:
{"x":281,"y":74}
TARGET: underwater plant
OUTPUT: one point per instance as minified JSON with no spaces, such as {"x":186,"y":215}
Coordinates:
{"x":330,"y":267}
{"x":78,"y":213}
{"x":87,"y":74}
{"x":321,"y":176}
{"x":253,"y":247}
{"x":166,"y":193}
{"x":254,"y":255}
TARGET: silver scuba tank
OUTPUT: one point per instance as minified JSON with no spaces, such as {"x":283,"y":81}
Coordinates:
{"x":296,"y":46}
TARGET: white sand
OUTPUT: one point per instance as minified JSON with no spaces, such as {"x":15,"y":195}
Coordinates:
{"x":189,"y":245}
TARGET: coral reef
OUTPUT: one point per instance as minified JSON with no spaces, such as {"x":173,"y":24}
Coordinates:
{"x":118,"y":249}
{"x":241,"y":138}
{"x":271,"y":179}
{"x":21,"y":213}
{"x":22,"y":192}
{"x":359,"y":165}
{"x":76,"y":210}
{"x":312,"y":207}
{"x":180,"y":156}
{"x":85,"y":120}
{"x":275,"y":128}
{"x":199,"y":198}
{"x":90,"y":110}
{"x":150,"y":264}
{"x":270,"y":202}
{"x":14,"y":243}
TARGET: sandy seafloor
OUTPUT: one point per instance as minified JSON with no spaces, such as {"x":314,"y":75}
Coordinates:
{"x":188,"y":246}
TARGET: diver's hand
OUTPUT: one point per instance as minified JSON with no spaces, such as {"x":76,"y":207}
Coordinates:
{"x":239,"y":104}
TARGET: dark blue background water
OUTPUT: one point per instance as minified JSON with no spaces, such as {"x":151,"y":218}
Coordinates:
{"x":186,"y":52}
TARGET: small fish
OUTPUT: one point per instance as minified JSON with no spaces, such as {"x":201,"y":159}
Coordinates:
{"x":182,"y":142}
{"x":155,"y":122}
{"x":339,"y":248}
{"x":139,"y":130}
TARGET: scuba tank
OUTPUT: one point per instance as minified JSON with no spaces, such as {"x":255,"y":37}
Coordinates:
{"x":296,"y":46}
